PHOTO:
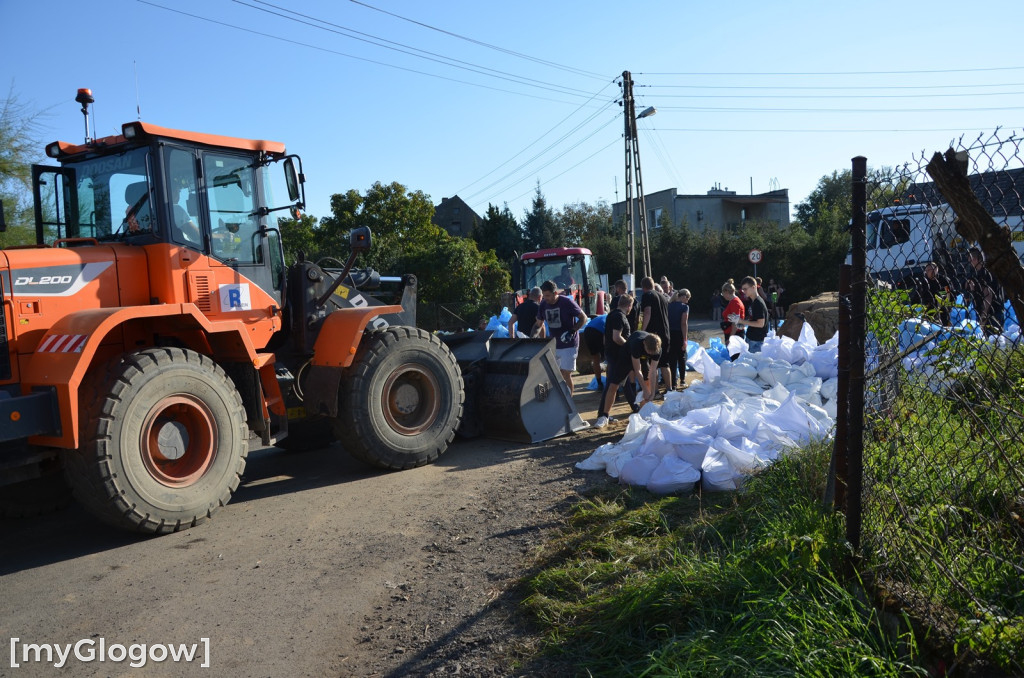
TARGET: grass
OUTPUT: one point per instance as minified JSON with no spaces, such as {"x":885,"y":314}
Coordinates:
{"x":753,"y":584}
{"x":718,"y":585}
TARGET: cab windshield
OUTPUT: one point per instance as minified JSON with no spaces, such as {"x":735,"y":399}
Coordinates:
{"x":114,"y":196}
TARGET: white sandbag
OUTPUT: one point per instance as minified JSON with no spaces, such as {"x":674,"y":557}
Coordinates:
{"x":778,"y":348}
{"x":648,"y":409}
{"x":674,"y":405}
{"x":716,"y":473}
{"x":807,"y":337}
{"x":709,"y":369}
{"x":793,"y":419}
{"x":737,"y":346}
{"x":829,"y":388}
{"x":655,"y":444}
{"x":614,"y":463}
{"x":696,"y":361}
{"x":825,"y":360}
{"x":637,"y":471}
{"x":599,"y":459}
{"x":739,"y":369}
{"x":744,"y":385}
{"x":673,"y":475}
{"x":728,"y":427}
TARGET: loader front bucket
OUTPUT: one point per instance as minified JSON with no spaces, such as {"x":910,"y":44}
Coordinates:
{"x":514,"y":390}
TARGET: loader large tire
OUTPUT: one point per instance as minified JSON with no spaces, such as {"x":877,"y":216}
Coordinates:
{"x":163,"y":441}
{"x":401,"y":400}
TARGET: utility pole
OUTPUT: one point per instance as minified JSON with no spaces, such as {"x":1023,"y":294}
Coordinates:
{"x":636,"y":216}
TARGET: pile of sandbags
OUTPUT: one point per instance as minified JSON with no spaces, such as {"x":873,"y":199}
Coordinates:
{"x":740,"y":418}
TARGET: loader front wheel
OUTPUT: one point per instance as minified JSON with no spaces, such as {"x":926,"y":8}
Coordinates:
{"x":401,"y":400}
{"x":164,"y":441}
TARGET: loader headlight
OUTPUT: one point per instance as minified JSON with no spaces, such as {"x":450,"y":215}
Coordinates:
{"x":130,"y":130}
{"x":53,"y":150}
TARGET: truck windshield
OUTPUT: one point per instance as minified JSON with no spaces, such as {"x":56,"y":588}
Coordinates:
{"x":558,"y":269}
{"x":114,"y":196}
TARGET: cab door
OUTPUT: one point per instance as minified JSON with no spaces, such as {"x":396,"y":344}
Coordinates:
{"x":238,"y":238}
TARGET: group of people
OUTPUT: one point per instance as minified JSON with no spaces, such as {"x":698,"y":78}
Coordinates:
{"x":654,"y":332}
{"x":771,"y":293}
{"x":630,"y":339}
{"x":746,"y":314}
{"x":935,"y":292}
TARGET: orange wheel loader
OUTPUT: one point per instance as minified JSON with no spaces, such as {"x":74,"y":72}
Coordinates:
{"x":154,"y":329}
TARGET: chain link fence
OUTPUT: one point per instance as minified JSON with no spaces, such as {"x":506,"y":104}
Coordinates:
{"x":932,"y":460}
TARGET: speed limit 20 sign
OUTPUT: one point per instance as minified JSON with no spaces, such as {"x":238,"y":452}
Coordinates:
{"x":754,"y":256}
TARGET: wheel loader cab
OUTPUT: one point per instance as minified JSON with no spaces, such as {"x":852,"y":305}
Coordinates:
{"x":151,"y":185}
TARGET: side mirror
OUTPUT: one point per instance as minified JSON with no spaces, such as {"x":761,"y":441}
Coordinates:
{"x":3,"y":221}
{"x":359,"y":239}
{"x":291,"y":179}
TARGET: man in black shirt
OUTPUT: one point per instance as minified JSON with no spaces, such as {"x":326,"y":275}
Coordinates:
{"x":655,"y":320}
{"x":634,"y":312}
{"x":986,"y":293}
{"x":639,"y":345}
{"x":756,"y":320}
{"x":525,"y":314}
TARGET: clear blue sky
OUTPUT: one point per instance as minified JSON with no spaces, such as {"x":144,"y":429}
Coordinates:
{"x":488,"y":98}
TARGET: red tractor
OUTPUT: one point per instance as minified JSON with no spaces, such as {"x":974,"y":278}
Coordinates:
{"x":573,"y":269}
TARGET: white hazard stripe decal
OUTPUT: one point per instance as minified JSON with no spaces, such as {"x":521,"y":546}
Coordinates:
{"x":63,"y":343}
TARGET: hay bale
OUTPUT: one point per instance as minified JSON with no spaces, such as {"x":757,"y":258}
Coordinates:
{"x":822,"y":312}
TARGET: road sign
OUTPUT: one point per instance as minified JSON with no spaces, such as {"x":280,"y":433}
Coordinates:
{"x":754,"y":257}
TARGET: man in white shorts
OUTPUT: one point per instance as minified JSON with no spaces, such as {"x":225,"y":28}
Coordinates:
{"x":564,"y":320}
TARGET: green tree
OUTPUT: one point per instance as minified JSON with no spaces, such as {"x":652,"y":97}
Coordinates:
{"x":20,"y":146}
{"x":582,"y":221}
{"x":303,"y":235}
{"x":540,"y":228}
{"x":399,"y":220}
{"x":499,"y":232}
{"x":828,"y":205}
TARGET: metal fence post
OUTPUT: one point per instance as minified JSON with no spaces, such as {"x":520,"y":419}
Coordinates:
{"x":858,"y":289}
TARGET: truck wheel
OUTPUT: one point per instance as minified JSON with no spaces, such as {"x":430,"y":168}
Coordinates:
{"x":401,"y":399}
{"x":163,"y":441}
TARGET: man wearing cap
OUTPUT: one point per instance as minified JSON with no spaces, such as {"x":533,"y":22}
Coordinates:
{"x":564,"y":320}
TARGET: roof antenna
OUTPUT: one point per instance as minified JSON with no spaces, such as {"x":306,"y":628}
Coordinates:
{"x":85,"y":98}
{"x":138,"y":106}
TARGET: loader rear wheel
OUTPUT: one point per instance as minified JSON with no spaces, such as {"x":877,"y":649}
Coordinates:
{"x":401,"y":400}
{"x":164,"y":441}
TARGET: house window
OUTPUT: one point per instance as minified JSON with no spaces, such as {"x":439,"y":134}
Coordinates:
{"x":654,"y":217}
{"x":455,"y":211}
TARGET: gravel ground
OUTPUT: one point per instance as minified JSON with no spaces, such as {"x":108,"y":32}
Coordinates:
{"x":318,"y":567}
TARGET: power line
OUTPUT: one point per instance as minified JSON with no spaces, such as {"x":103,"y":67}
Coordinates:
{"x":568,"y":169}
{"x":702,"y":109}
{"x":532,"y":143}
{"x":836,"y":96}
{"x":571,"y":69}
{"x":542,"y":152}
{"x":811,"y":131}
{"x":407,"y":49}
{"x":922,"y":72}
{"x":351,"y":56}
{"x":831,"y":87}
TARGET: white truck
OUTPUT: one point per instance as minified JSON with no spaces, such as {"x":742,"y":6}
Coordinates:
{"x":901,"y":239}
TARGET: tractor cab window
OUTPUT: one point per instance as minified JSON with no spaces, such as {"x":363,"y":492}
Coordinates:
{"x":183,"y":198}
{"x":231,"y":193}
{"x":115,"y":198}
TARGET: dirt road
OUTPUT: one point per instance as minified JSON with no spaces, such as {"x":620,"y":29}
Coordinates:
{"x":318,"y":567}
